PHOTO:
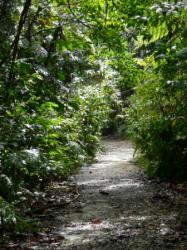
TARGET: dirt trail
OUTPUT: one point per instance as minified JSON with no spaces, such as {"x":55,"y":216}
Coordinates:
{"x":119,"y":208}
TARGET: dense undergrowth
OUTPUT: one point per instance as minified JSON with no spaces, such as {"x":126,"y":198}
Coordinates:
{"x":158,"y":112}
{"x":55,"y":101}
{"x":70,"y":71}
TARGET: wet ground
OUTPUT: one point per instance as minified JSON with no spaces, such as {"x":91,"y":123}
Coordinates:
{"x":119,"y":208}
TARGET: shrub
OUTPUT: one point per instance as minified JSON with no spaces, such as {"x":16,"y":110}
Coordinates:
{"x":158,"y":126}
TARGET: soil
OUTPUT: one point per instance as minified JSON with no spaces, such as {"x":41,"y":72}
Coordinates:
{"x":115,"y":207}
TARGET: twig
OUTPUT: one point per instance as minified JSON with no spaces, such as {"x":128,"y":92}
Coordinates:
{"x":76,"y":18}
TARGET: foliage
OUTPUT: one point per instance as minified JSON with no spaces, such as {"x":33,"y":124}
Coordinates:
{"x":7,"y":214}
{"x":158,"y":127}
{"x":157,"y":116}
{"x":68,"y":70}
{"x":55,"y":99}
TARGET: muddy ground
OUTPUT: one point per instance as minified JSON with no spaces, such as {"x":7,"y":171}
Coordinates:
{"x":115,"y":207}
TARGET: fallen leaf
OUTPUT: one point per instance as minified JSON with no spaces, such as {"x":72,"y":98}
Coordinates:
{"x":96,"y":221}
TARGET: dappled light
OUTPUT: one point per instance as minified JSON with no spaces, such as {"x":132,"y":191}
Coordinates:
{"x":119,"y":210}
{"x":93,"y":124}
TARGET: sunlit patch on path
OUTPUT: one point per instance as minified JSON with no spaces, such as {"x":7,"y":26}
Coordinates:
{"x":118,"y":208}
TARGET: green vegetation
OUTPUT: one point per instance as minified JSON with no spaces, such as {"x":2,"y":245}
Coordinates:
{"x":158,"y":113}
{"x":70,"y":70}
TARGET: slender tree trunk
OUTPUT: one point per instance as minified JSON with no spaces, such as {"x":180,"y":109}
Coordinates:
{"x":20,"y":27}
{"x":15,"y":44}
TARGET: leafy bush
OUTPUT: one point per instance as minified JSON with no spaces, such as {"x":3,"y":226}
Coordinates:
{"x":157,"y":115}
{"x":7,"y":213}
{"x":45,"y":136}
{"x":157,"y":124}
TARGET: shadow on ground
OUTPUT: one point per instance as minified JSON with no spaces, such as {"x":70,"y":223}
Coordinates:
{"x":118,"y":208}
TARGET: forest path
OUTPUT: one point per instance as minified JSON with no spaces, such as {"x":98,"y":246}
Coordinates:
{"x":118,"y":208}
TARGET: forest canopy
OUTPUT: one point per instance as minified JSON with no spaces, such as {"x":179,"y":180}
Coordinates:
{"x":71,"y":70}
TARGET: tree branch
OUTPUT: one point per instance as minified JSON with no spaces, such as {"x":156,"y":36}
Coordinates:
{"x":57,"y":33}
{"x":76,"y":18}
{"x":22,"y":20}
{"x":31,"y":23}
